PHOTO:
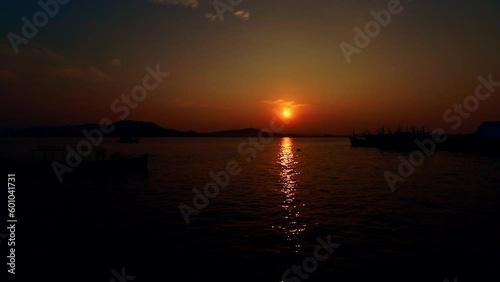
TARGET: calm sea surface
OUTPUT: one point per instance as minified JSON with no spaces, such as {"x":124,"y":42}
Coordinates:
{"x":442,"y":222}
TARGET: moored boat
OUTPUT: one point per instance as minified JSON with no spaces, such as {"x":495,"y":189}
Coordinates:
{"x":485,"y":140}
{"x":128,"y":140}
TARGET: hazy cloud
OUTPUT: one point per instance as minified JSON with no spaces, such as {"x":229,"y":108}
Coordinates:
{"x":211,"y":17}
{"x":40,"y":63}
{"x":73,"y":73}
{"x":96,"y":75}
{"x":36,"y":51}
{"x":90,"y":73}
{"x":182,"y":103}
{"x":46,"y":53}
{"x":8,"y":75}
{"x":281,"y":102}
{"x":115,"y":63}
{"x":242,"y":15}
{"x":187,"y":3}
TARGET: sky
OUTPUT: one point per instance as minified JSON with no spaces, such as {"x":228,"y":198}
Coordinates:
{"x":264,"y":55}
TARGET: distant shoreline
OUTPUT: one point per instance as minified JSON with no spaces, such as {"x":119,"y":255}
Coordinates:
{"x":141,"y":129}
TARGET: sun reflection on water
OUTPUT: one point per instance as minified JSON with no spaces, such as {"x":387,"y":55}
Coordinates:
{"x":291,"y":225}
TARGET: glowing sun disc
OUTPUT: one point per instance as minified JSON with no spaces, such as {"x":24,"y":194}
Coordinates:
{"x":287,"y":113}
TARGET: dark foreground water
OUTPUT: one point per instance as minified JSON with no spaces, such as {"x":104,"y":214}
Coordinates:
{"x":442,"y":222}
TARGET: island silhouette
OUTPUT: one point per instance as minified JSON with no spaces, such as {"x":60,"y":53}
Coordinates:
{"x":132,"y":128}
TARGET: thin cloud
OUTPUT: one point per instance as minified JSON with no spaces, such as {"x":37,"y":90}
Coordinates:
{"x":188,"y":3}
{"x":281,"y":102}
{"x":46,"y":53}
{"x":180,"y":102}
{"x":211,"y":17}
{"x":8,"y":75}
{"x":36,"y":50}
{"x":96,"y":75}
{"x":115,"y":63}
{"x":242,"y":15}
{"x":73,"y":73}
{"x":40,"y":65}
{"x":90,"y":73}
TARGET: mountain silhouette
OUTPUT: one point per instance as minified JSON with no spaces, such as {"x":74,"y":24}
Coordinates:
{"x":129,"y":128}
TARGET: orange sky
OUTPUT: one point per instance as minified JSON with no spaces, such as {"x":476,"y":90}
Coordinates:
{"x":232,"y":73}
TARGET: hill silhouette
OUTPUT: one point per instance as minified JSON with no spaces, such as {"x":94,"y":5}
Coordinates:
{"x":123,"y":128}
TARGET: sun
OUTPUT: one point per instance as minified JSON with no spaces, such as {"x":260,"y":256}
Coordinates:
{"x":287,"y":113}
